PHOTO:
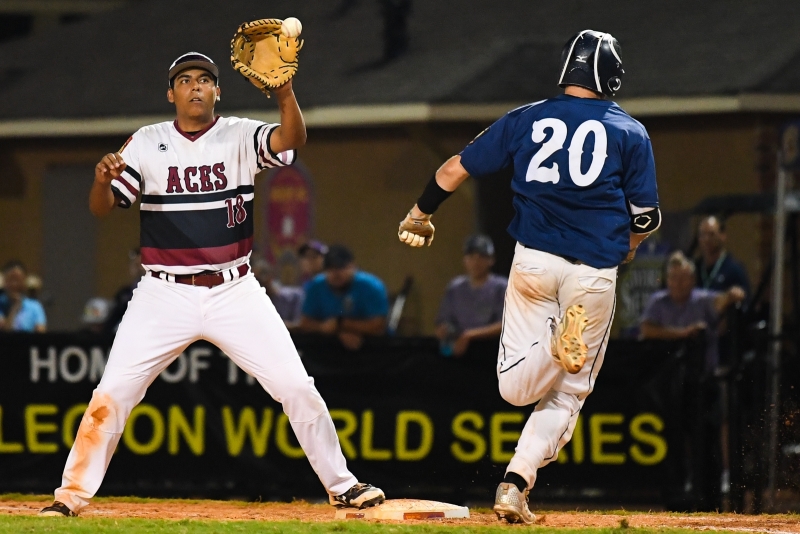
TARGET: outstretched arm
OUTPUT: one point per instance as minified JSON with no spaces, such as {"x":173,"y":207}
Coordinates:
{"x":449,"y":176}
{"x":416,"y":230}
{"x":292,"y":131}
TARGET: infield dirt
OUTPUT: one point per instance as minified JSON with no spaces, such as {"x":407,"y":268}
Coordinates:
{"x":316,"y":513}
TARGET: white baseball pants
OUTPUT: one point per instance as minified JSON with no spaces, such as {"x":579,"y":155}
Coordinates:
{"x":162,"y":319}
{"x":541,"y":287}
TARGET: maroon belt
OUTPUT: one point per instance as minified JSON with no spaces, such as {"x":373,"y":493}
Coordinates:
{"x":208,"y":280}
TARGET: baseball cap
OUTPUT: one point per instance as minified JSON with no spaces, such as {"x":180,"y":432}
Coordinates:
{"x":315,"y":245}
{"x":191,"y":60}
{"x":479,"y":244}
{"x":338,"y":257}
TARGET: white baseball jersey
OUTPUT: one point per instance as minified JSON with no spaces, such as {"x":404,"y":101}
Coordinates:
{"x":196,"y":191}
{"x":196,"y":215}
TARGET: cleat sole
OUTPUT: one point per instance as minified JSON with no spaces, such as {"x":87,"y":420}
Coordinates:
{"x":570,"y":350}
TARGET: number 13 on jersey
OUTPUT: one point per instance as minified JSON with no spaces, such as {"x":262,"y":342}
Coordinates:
{"x":539,"y":173}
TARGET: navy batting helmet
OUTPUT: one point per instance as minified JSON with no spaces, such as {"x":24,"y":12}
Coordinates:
{"x":591,"y":59}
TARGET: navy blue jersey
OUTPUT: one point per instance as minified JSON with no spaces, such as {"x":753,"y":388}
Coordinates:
{"x":579,"y":165}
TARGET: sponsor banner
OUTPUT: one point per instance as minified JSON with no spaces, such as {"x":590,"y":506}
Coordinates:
{"x":409,"y":421}
{"x":288,"y":202}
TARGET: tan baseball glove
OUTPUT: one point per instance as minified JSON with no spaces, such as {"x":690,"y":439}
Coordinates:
{"x":262,"y":54}
{"x":416,"y":232}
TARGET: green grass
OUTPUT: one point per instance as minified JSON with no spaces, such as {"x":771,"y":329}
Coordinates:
{"x":25,"y":524}
{"x":91,"y":524}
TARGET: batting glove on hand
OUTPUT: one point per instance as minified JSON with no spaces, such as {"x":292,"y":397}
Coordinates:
{"x":416,"y":231}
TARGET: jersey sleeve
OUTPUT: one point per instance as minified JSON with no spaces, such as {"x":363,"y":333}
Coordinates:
{"x":639,"y":182}
{"x":127,"y":186}
{"x":257,"y":136}
{"x":490,"y":151}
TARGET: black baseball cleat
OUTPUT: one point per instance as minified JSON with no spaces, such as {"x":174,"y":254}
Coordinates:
{"x":359,"y":496}
{"x":57,"y":509}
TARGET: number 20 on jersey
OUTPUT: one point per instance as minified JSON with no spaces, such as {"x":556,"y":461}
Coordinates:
{"x":552,"y":174}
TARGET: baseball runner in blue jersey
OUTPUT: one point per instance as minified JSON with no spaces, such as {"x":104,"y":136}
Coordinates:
{"x":585,"y":197}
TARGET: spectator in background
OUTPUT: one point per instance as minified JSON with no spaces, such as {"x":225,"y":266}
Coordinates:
{"x":716,"y":269}
{"x":682,"y":310}
{"x":472,"y":307}
{"x":95,"y":316}
{"x":312,"y":261}
{"x":33,"y":286}
{"x":125,"y":293}
{"x":288,"y":301}
{"x":345,"y":301}
{"x":18,"y":312}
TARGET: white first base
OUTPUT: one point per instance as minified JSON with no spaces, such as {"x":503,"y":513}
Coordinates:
{"x":403,"y":509}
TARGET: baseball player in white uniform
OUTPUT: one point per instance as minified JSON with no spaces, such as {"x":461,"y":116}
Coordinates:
{"x":194,"y":177}
{"x":585,"y":197}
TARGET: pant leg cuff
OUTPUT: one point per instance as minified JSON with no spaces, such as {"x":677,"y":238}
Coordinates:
{"x":523,"y":469}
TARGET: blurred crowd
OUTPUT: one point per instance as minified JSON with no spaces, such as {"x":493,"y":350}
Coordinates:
{"x":333,"y":296}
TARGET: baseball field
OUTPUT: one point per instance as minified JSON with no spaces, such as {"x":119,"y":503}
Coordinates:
{"x":137,"y":515}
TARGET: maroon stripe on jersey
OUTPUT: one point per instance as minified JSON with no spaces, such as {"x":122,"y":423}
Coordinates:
{"x":128,"y":186}
{"x":196,"y":256}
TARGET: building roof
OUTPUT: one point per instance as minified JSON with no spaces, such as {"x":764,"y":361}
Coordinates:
{"x":679,"y":56}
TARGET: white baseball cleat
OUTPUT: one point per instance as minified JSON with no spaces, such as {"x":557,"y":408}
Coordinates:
{"x":567,"y":344}
{"x":512,"y":505}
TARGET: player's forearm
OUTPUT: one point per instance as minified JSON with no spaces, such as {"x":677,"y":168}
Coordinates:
{"x":368,"y":327}
{"x":101,"y":199}
{"x":292,"y":131}
{"x":636,"y":239}
{"x":449,"y":176}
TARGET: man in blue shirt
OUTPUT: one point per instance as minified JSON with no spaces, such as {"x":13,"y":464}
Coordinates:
{"x":345,"y":301}
{"x":585,"y":197}
{"x":18,"y":312}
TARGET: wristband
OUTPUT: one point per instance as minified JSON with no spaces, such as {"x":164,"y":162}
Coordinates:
{"x":432,"y":197}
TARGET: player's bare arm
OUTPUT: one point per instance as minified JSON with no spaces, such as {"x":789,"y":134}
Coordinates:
{"x":291,"y":133}
{"x":416,"y":229}
{"x":644,"y":222}
{"x":101,"y":198}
